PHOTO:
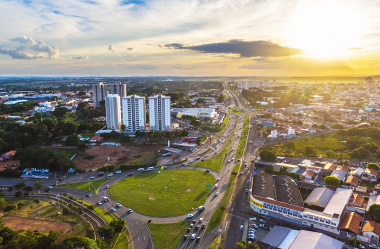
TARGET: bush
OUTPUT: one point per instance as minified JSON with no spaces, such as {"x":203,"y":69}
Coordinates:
{"x":332,"y":181}
{"x":66,"y":211}
{"x":28,"y":188}
{"x":110,"y":168}
{"x":20,"y":185}
{"x":268,"y":156}
{"x":373,"y":166}
{"x":10,"y":207}
{"x":18,"y":194}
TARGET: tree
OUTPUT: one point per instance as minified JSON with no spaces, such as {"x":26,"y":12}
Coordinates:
{"x":118,"y":225}
{"x":38,"y":185}
{"x":360,"y":153}
{"x":18,"y":194}
{"x":373,"y":166}
{"x":20,"y":185}
{"x":37,"y":201}
{"x":66,"y":211}
{"x":295,"y":176}
{"x":82,"y":147}
{"x":354,"y":242}
{"x":107,"y":232}
{"x":309,"y":151}
{"x":78,"y":242}
{"x":374,"y":211}
{"x":60,"y":111}
{"x":331,"y":154}
{"x":252,"y":245}
{"x":28,"y":188}
{"x":72,"y":140}
{"x":240,"y":245}
{"x":3,"y":203}
{"x":269,"y":169}
{"x":332,"y":181}
{"x":268,"y":156}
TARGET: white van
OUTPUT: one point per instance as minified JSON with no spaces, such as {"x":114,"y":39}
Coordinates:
{"x":140,"y":169}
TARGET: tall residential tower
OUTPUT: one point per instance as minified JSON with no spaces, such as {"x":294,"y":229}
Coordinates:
{"x":113,"y":112}
{"x":118,"y":88}
{"x":159,"y":113}
{"x":133,"y":108}
{"x":99,"y":93}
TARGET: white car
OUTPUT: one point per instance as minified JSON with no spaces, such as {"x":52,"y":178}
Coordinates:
{"x":110,"y":175}
{"x":216,"y":193}
{"x":118,"y":205}
{"x":100,"y":203}
{"x":140,"y":169}
{"x":150,"y":169}
{"x":193,"y":236}
{"x":118,"y":172}
{"x":113,"y":209}
{"x":130,"y":210}
{"x":241,"y":227}
{"x":189,"y":216}
{"x":92,"y":177}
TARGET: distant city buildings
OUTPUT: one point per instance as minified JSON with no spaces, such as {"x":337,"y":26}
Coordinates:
{"x":133,"y":113}
{"x":113,"y":112}
{"x":99,"y":93}
{"x":119,"y":89}
{"x":159,"y":113}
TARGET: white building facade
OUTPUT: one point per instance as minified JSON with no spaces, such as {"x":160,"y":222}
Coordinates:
{"x":159,"y":113}
{"x":133,"y":113}
{"x":113,"y":112}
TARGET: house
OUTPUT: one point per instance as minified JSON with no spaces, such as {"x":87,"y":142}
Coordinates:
{"x":351,"y":182}
{"x":370,"y":175}
{"x":351,"y":223}
{"x":357,"y":172}
{"x":340,"y":174}
{"x":309,"y":176}
{"x":96,"y":139}
{"x":371,"y":230}
{"x":8,"y":155}
{"x":357,"y":200}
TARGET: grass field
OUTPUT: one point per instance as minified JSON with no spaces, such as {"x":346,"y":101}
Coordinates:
{"x":122,"y":242}
{"x":215,"y":162}
{"x":107,"y":216}
{"x":217,"y":216}
{"x":243,"y":138}
{"x":214,"y":244}
{"x":234,"y":111}
{"x":93,"y":186}
{"x":167,"y":236}
{"x":171,"y":193}
{"x":46,"y":209}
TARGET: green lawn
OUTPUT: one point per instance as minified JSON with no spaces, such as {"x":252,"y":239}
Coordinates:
{"x":243,"y":137}
{"x":215,"y":162}
{"x":167,"y":236}
{"x":234,"y":111}
{"x":93,"y":186}
{"x":173,"y":192}
{"x":214,"y":243}
{"x":217,"y":216}
{"x":122,"y":242}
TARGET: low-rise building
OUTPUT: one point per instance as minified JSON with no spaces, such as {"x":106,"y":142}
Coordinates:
{"x":371,"y":230}
{"x":370,"y":175}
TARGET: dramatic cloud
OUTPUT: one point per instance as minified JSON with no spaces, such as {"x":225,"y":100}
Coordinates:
{"x":243,"y":48}
{"x":110,"y":48}
{"x":80,"y":57}
{"x":30,"y":49}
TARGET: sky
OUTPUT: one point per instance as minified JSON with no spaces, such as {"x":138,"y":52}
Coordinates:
{"x":189,"y":37}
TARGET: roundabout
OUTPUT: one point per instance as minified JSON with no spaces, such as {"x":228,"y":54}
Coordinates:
{"x":169,"y":193}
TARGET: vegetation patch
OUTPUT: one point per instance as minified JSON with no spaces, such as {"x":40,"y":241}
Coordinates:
{"x":220,"y":128}
{"x":217,"y":216}
{"x":171,"y":196}
{"x":167,"y":235}
{"x":243,"y":137}
{"x":92,"y":186}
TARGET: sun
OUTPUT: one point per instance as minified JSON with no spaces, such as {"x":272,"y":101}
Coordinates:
{"x":326,"y":28}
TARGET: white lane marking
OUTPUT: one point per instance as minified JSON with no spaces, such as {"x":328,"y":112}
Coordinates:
{"x":138,"y":238}
{"x":144,"y":237}
{"x":137,"y":223}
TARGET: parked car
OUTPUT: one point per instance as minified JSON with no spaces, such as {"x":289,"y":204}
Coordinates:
{"x":118,"y":172}
{"x":262,"y":221}
{"x":110,"y":175}
{"x":100,"y":203}
{"x":92,"y":177}
{"x":255,"y":226}
{"x":150,"y":169}
{"x":241,"y":227}
{"x":140,"y":169}
{"x":130,"y":174}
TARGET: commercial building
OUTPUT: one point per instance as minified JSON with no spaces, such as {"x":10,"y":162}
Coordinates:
{"x":197,"y":112}
{"x":286,"y":238}
{"x":99,"y":93}
{"x":113,"y":112}
{"x":279,"y":197}
{"x":119,"y":89}
{"x":159,"y":113}
{"x":133,"y":113}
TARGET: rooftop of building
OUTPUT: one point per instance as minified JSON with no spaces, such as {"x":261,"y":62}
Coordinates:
{"x":281,"y":188}
{"x":313,"y":240}
{"x":371,"y":226}
{"x":351,"y":222}
{"x":338,"y":201}
{"x":320,"y":197}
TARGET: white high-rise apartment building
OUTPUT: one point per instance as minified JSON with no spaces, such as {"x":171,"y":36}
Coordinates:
{"x":133,"y":108}
{"x":99,"y":93}
{"x":159,"y":113}
{"x":118,"y":88}
{"x":113,"y":112}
